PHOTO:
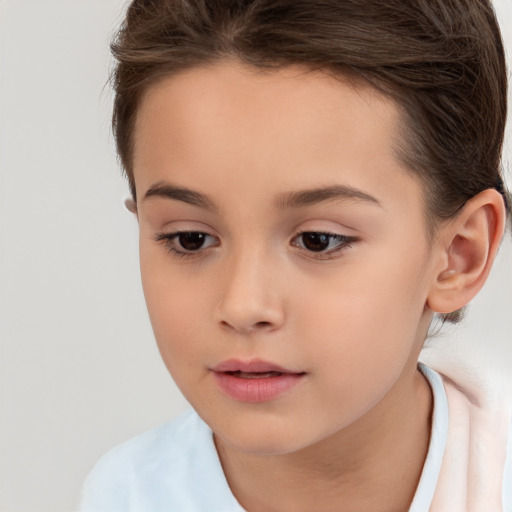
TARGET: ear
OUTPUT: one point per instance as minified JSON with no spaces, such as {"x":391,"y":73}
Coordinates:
{"x":131,"y":205}
{"x":467,"y":248}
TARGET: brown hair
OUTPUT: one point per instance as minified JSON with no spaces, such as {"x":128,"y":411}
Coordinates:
{"x":441,"y":60}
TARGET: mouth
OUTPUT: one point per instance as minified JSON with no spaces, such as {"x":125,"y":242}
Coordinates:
{"x":254,"y":381}
{"x":253,"y":366}
{"x":254,"y":375}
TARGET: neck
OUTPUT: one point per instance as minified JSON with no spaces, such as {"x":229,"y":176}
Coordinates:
{"x":356,"y":469}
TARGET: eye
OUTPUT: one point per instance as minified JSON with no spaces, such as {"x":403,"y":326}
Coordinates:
{"x":322,"y":243}
{"x":186,"y":243}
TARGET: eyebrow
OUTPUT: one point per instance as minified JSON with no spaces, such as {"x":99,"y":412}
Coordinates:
{"x":186,"y":195}
{"x":288,"y":200}
{"x":303,"y":198}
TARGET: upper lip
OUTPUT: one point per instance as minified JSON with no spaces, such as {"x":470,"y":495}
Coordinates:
{"x":251,"y":366}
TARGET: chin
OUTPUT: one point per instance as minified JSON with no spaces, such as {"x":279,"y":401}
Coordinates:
{"x":257,"y":439}
{"x":261,"y":445}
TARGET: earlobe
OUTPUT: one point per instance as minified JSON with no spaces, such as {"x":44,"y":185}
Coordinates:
{"x":131,"y":205}
{"x":468,"y":246}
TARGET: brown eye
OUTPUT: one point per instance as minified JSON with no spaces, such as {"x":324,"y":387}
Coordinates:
{"x":191,"y":240}
{"x":325,"y":245}
{"x":316,"y":241}
{"x":187,"y":243}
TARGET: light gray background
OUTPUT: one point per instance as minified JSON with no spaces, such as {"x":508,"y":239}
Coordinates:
{"x":80,"y":371}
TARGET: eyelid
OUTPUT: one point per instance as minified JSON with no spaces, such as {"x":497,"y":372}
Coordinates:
{"x":169,"y":238}
{"x":346,"y":243}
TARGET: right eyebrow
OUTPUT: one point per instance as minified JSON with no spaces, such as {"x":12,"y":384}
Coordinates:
{"x":170,"y":191}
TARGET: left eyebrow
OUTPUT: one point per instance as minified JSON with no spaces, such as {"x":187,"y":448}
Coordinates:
{"x":301,"y":198}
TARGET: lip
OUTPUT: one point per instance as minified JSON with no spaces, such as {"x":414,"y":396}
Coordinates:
{"x":253,"y":365}
{"x":240,"y":381}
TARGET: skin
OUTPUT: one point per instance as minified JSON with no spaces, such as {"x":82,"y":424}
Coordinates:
{"x":356,"y":427}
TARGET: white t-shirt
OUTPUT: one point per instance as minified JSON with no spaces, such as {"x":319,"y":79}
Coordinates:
{"x":175,"y":468}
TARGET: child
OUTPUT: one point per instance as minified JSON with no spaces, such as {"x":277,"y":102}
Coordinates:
{"x":313,"y":181}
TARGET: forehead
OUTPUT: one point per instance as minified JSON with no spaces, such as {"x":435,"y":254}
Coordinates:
{"x":272,"y":128}
{"x":223,"y":94}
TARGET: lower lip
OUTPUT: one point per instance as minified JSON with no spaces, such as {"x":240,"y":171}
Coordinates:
{"x":256,"y":390}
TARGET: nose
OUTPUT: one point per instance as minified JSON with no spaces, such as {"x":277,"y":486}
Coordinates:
{"x":252,"y":295}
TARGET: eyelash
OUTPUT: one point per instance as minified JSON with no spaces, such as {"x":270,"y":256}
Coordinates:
{"x":170,"y":245}
{"x":345,"y":242}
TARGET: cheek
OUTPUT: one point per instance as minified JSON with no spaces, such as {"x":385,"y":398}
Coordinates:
{"x":176,"y":308}
{"x":365,"y":293}
{"x":357,"y":341}
{"x":364,"y":314}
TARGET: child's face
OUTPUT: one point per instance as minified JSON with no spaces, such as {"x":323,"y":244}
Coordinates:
{"x":344,"y":314}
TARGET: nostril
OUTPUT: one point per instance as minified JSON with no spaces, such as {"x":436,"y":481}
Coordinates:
{"x":255,"y":326}
{"x":262,"y":324}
